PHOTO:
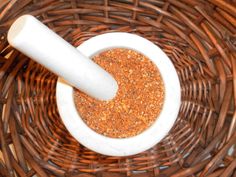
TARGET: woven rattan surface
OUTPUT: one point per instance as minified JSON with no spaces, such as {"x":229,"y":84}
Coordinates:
{"x":200,"y":38}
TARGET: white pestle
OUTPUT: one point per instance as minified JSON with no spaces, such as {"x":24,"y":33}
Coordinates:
{"x":37,"y":41}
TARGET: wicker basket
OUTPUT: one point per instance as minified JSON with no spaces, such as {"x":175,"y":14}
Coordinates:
{"x":200,"y":38}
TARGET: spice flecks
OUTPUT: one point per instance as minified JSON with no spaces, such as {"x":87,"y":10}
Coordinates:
{"x":139,"y":99}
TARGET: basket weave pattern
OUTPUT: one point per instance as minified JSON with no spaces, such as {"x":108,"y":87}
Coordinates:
{"x":200,"y":39}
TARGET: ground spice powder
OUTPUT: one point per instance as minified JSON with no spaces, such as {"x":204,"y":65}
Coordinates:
{"x":139,"y":99}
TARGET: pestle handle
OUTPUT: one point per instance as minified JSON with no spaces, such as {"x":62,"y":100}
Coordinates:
{"x":37,"y":41}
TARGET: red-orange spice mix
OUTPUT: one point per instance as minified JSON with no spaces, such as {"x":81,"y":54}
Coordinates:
{"x":139,"y":99}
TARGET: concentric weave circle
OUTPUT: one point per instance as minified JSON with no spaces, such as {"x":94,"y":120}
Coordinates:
{"x":199,"y":38}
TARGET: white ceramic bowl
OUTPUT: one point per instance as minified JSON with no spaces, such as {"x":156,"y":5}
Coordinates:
{"x":151,"y":136}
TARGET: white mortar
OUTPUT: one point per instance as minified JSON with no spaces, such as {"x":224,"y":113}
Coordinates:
{"x":151,"y":136}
